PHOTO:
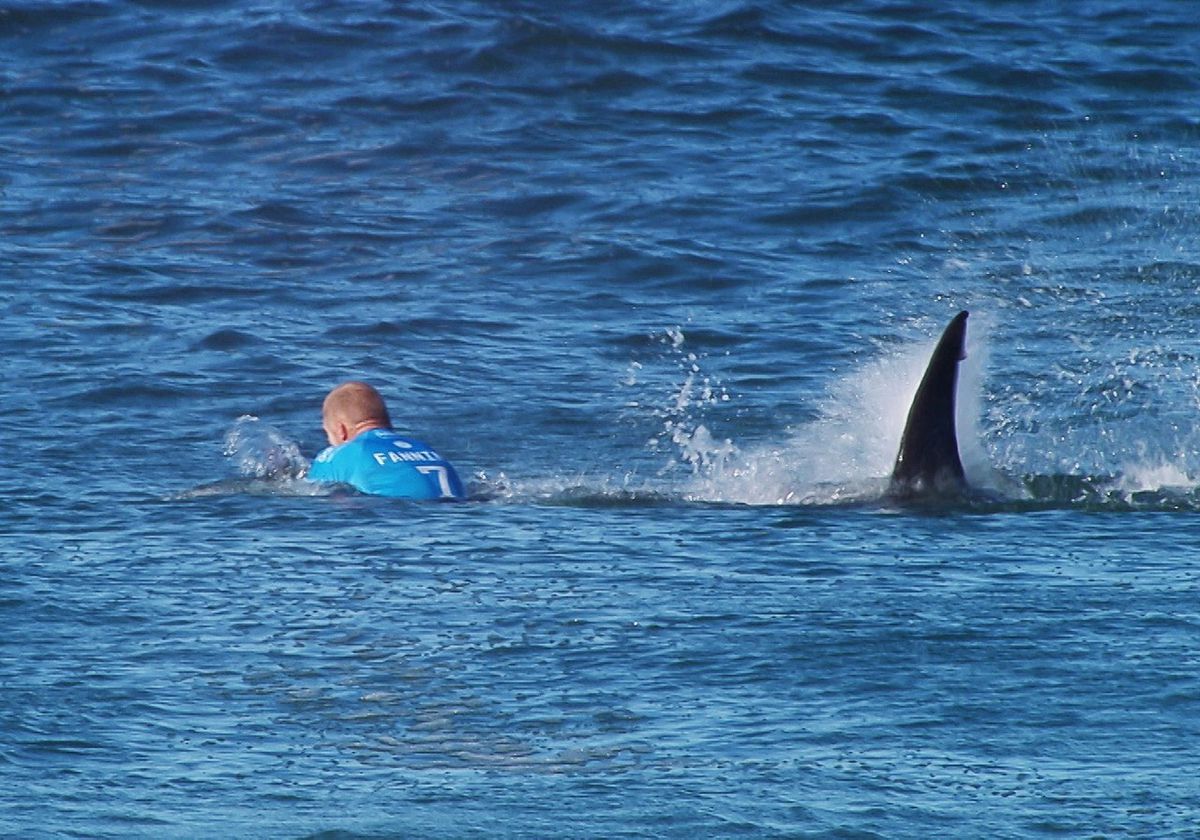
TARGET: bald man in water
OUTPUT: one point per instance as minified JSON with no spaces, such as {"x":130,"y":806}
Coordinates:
{"x":367,"y":454}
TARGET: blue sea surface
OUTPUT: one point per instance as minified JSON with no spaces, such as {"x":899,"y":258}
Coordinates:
{"x":660,"y":280}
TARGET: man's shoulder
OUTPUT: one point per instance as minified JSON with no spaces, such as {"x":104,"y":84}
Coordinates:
{"x":329,"y":465}
{"x":336,"y":462}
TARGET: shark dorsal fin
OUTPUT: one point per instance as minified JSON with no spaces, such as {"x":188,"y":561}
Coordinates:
{"x":928,"y":460}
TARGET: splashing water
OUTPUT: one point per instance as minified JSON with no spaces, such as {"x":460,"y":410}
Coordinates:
{"x":695,"y":443}
{"x":259,"y":450}
{"x":847,"y":453}
{"x":1159,"y":475}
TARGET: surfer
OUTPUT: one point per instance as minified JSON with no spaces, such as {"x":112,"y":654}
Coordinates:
{"x":366,"y":453}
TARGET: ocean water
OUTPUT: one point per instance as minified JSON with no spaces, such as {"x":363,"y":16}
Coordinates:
{"x":660,"y":279}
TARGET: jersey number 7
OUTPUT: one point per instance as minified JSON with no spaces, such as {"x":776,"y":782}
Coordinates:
{"x":443,"y":479}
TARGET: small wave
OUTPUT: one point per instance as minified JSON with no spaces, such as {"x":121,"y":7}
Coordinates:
{"x":1020,"y":494}
{"x":1151,"y":80}
{"x":45,"y":16}
{"x":568,"y":491}
{"x":243,"y":486}
{"x":1102,"y":493}
{"x":227,"y":340}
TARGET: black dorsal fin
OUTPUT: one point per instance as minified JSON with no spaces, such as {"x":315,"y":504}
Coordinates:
{"x":928,"y":460}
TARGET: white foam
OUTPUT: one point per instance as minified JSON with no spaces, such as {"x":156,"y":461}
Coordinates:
{"x":1154,"y":475}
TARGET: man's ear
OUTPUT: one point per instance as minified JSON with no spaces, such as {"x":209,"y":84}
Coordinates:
{"x":343,"y":433}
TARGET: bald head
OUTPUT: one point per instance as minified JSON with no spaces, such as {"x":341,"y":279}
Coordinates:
{"x":351,"y":409}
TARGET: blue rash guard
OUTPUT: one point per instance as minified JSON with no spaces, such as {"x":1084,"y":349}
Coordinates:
{"x":383,"y":463}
